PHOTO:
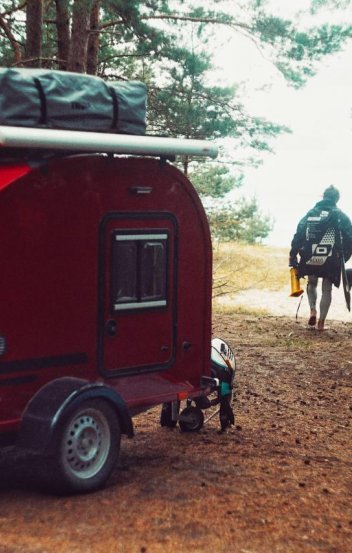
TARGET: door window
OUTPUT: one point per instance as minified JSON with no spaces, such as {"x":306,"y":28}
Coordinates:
{"x":139,"y":270}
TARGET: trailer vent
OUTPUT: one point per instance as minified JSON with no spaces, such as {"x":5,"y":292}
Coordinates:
{"x":2,"y":345}
{"x":140,"y":189}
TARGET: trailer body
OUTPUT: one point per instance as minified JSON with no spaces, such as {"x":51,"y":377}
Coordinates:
{"x":105,"y":291}
{"x":106,"y":274}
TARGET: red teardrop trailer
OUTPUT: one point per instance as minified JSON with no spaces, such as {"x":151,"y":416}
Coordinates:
{"x":105,"y":288}
{"x":105,"y":294}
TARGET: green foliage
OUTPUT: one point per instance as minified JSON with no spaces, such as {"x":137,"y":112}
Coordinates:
{"x":242,"y":222}
{"x":299,"y":62}
{"x":318,"y":4}
{"x":167,"y":44}
{"x":138,"y":33}
{"x":214,"y":181}
{"x":186,"y":105}
{"x":297,"y":52}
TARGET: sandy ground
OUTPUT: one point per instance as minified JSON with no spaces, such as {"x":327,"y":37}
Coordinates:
{"x":280,"y":303}
{"x":279,"y":482}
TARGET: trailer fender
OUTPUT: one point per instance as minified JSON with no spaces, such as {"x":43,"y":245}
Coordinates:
{"x":44,"y":412}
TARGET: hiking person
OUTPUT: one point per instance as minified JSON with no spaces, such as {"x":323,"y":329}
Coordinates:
{"x":323,"y":241}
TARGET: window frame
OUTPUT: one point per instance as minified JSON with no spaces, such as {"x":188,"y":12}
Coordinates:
{"x":140,"y":237}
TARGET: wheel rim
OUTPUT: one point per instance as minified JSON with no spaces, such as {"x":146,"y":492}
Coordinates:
{"x":86,"y":443}
{"x":192,"y":420}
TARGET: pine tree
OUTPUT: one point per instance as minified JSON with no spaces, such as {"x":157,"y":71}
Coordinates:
{"x":166,"y":45}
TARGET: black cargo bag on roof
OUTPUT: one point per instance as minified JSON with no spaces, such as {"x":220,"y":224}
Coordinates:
{"x":72,"y":101}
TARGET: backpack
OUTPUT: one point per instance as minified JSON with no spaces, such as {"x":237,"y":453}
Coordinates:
{"x":321,"y":248}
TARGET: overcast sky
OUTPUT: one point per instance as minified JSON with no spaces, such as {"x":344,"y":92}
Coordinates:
{"x":319,"y":150}
{"x":317,"y":153}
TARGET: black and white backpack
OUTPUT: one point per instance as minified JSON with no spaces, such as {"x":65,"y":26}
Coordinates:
{"x":322,"y":244}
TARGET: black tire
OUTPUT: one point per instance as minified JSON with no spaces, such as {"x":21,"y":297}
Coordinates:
{"x":191,"y":419}
{"x":86,"y":448}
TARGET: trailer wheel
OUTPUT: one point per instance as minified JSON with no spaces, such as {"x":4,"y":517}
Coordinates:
{"x":191,"y":419}
{"x":87,"y":447}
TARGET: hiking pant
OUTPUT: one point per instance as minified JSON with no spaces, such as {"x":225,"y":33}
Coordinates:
{"x":325,"y":301}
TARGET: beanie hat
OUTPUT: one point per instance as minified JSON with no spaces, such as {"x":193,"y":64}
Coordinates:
{"x":331,"y":193}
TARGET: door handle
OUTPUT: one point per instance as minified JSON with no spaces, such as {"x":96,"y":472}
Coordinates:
{"x":186,"y":346}
{"x":111,"y":327}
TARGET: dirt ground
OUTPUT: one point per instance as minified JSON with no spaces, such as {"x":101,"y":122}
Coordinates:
{"x":279,"y":482}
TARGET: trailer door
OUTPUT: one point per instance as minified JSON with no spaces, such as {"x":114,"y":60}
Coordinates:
{"x":137,"y":311}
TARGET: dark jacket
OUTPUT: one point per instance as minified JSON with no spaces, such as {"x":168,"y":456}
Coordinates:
{"x":332,"y":269}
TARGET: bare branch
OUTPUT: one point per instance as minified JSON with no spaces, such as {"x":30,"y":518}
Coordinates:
{"x":115,"y":56}
{"x":29,"y":61}
{"x":197,"y":20}
{"x":171,"y":17}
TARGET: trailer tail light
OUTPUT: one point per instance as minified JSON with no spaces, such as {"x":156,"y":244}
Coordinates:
{"x":2,"y":345}
{"x":182,"y":395}
{"x":10,"y":173}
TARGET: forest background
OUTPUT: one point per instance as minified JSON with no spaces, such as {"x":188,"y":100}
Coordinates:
{"x":173,"y":47}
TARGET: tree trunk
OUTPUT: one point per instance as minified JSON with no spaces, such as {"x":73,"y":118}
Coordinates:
{"x":63,"y":32}
{"x":77,"y":59}
{"x":185,"y":163}
{"x":93,"y":40}
{"x":14,"y":43}
{"x":34,"y":26}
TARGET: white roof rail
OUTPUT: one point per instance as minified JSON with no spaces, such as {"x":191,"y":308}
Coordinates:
{"x":79,"y":141}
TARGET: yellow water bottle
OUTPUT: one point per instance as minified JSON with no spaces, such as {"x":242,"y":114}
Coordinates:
{"x":296,"y":290}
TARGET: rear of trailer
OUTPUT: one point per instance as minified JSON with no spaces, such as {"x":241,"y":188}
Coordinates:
{"x":105,"y":283}
{"x":105,"y":292}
